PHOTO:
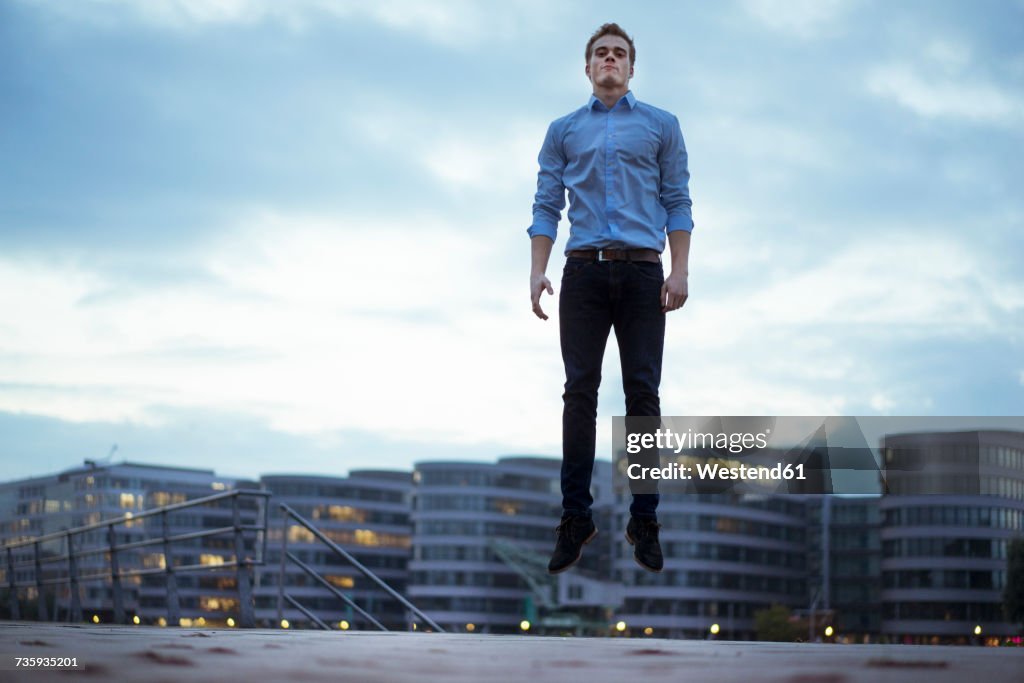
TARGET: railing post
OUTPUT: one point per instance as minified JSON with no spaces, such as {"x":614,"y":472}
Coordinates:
{"x":115,"y":577}
{"x":76,"y":598}
{"x":284,"y":558}
{"x":265,"y":509}
{"x":12,"y":589}
{"x":40,"y":596}
{"x":173,"y":607}
{"x":248,"y":617}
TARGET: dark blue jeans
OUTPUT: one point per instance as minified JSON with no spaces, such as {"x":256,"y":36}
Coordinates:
{"x":596,"y":297}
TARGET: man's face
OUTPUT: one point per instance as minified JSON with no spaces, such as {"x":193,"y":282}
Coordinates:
{"x":609,"y":65}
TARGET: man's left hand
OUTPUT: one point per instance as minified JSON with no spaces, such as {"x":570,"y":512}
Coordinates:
{"x":674,"y":292}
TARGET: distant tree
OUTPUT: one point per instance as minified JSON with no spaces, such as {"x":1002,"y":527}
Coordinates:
{"x":775,"y":623}
{"x":1013,"y":593}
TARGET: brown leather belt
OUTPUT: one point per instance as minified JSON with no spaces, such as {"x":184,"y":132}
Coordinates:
{"x":648,"y":255}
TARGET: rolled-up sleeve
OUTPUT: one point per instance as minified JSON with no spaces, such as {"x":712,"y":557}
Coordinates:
{"x":550,"y":198}
{"x":675,"y":178}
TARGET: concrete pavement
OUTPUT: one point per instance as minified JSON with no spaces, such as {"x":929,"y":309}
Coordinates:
{"x":151,"y":654}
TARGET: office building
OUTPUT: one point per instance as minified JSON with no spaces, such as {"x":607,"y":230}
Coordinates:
{"x":367,"y":514}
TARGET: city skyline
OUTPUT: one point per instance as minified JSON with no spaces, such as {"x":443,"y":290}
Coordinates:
{"x":905,"y":567}
{"x":258,"y":237}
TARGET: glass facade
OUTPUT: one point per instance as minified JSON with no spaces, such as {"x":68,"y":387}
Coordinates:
{"x":461,"y":512}
{"x":943,"y":559}
{"x":902,"y":567}
{"x":367,"y":514}
{"x":95,"y":493}
{"x":726,"y":557}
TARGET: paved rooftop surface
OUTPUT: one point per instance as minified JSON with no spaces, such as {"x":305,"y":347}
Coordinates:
{"x":153,"y":655}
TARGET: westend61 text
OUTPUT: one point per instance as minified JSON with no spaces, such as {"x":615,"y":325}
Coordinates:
{"x":706,"y":471}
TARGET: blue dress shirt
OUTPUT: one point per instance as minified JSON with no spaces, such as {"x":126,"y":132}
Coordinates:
{"x":625,"y":169}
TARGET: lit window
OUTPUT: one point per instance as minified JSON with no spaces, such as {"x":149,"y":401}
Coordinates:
{"x":162,"y":498}
{"x":339,"y":513}
{"x":367,"y":537}
{"x":340,"y":581}
{"x":217,"y":604}
{"x":507,"y":507}
{"x":154,"y":560}
{"x":211,"y":560}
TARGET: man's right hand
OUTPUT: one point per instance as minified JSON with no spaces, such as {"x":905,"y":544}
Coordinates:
{"x":538,"y":283}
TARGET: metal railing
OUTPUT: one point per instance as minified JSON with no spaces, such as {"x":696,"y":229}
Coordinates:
{"x":113,"y":572}
{"x":286,"y":555}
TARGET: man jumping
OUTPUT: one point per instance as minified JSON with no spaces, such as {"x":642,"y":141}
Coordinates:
{"x":625,"y":167}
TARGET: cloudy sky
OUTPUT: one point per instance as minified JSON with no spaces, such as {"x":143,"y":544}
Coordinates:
{"x":262,"y":237}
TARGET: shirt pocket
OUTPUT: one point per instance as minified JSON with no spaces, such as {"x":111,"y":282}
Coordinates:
{"x":636,"y":145}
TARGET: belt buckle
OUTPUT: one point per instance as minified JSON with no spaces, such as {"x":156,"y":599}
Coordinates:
{"x":600,"y":255}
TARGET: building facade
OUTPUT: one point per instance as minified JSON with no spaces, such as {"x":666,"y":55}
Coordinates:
{"x":367,"y":514}
{"x":851,"y":557}
{"x":99,"y":492}
{"x":955,"y":501}
{"x":484,"y":531}
{"x":468,"y":542}
{"x":726,"y":557}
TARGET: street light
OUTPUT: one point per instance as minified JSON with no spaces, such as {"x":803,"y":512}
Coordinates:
{"x":524,"y":625}
{"x":620,"y":626}
{"x":828,"y":631}
{"x":714,"y":629}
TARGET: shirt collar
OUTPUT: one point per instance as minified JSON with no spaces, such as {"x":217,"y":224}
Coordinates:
{"x":628,"y":97}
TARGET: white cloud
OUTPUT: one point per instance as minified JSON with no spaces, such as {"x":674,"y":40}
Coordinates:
{"x":801,"y":18}
{"x":952,"y":56}
{"x":820,"y":339}
{"x":409,"y":321}
{"x":391,"y":326}
{"x":326,"y":323}
{"x":779,"y":146}
{"x":882,"y":402}
{"x":901,"y":287}
{"x":941,"y":96}
{"x":498,"y":157}
{"x":506,"y":162}
{"x":455,"y":23}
